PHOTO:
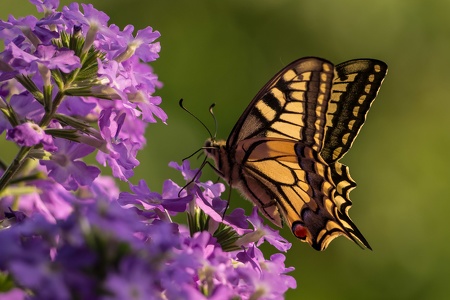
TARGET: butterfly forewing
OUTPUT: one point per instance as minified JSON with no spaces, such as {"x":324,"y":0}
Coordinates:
{"x":283,"y":152}
{"x":355,"y":86}
{"x":292,"y":105}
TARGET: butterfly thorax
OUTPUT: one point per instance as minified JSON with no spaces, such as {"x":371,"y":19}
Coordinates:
{"x":219,"y":152}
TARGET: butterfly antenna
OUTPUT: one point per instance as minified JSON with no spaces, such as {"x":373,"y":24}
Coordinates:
{"x":215,"y":120}
{"x":196,"y":176}
{"x":203,"y":124}
{"x":201,"y":149}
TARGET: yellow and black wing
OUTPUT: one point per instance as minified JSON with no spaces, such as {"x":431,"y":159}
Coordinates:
{"x":292,"y":105}
{"x":355,"y":85}
{"x":288,"y":180}
{"x":283,"y":152}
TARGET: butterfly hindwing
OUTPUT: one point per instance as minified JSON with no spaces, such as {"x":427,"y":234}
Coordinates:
{"x":290,"y":181}
{"x":295,"y":178}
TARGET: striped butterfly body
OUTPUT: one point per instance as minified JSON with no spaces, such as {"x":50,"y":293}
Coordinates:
{"x":283,"y":153}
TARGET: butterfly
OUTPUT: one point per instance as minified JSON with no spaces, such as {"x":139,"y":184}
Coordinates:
{"x":283,"y":153}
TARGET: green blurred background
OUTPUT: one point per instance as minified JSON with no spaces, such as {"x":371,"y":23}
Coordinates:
{"x":224,"y":52}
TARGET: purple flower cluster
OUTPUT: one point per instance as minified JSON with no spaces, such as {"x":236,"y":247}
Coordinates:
{"x":105,"y":251}
{"x":70,"y":84}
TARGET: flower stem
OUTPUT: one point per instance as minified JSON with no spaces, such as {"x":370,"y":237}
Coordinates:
{"x":24,"y":151}
{"x":14,"y":166}
{"x":48,"y":116}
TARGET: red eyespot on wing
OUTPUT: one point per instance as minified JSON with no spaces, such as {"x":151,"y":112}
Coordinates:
{"x":299,"y":230}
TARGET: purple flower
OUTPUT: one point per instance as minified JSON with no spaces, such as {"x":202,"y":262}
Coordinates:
{"x":238,"y":220}
{"x":25,"y":107}
{"x":13,"y":30}
{"x":66,"y":167}
{"x":54,"y":202}
{"x":135,"y":82}
{"x":276,"y":266}
{"x":46,"y":197}
{"x":113,"y":220}
{"x":146,"y":200}
{"x":263,"y":232}
{"x":142,"y":44}
{"x":185,"y":169}
{"x":63,"y":273}
{"x":141,"y":75}
{"x":14,"y":294}
{"x":76,"y":106}
{"x":18,"y":216}
{"x":30,"y":134}
{"x":122,"y":152}
{"x":49,"y":56}
{"x":26,"y":255}
{"x":150,"y":107}
{"x":263,"y":278}
{"x":132,"y":280}
{"x":103,"y":188}
{"x":45,"y":5}
{"x":91,"y":17}
{"x":207,"y":194}
{"x":145,"y":50}
{"x":35,"y":276}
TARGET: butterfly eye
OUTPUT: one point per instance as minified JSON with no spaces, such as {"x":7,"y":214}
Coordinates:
{"x":208,"y":143}
{"x":299,"y":230}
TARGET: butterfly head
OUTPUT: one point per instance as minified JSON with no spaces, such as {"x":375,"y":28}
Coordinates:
{"x":213,"y":148}
{"x":218,"y":152}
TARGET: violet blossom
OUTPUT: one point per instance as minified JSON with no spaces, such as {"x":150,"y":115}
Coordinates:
{"x":30,"y":134}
